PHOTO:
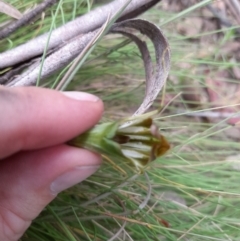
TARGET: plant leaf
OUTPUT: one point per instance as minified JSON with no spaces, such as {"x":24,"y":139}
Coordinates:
{"x":155,"y":80}
{"x":9,"y":10}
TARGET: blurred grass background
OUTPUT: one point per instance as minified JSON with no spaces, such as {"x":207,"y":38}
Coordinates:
{"x":195,"y":187}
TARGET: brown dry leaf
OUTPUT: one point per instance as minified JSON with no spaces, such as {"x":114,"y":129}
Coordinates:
{"x":230,"y":48}
{"x":155,"y":75}
{"x":190,"y":26}
{"x":171,"y":6}
{"x":206,"y":13}
{"x":236,"y":71}
{"x":220,"y":90}
{"x":209,"y":26}
{"x":192,"y":95}
{"x":233,"y":132}
{"x":222,"y":93}
{"x":219,"y":5}
{"x":9,"y":10}
{"x":235,"y":162}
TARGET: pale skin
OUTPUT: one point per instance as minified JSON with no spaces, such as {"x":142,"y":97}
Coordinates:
{"x":35,"y":162}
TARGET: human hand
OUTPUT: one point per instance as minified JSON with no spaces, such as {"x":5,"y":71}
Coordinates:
{"x":35,"y":165}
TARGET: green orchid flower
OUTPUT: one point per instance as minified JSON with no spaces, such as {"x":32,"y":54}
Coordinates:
{"x":136,"y":140}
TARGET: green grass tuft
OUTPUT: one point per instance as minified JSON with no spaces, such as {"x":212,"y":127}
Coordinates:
{"x":195,"y":187}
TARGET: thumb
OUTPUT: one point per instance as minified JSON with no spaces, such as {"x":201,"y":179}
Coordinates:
{"x":30,"y":180}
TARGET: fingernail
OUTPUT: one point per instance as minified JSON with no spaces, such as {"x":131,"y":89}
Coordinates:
{"x":70,"y":178}
{"x":77,"y":95}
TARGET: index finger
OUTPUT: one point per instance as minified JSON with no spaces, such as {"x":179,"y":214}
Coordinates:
{"x":34,"y":118}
